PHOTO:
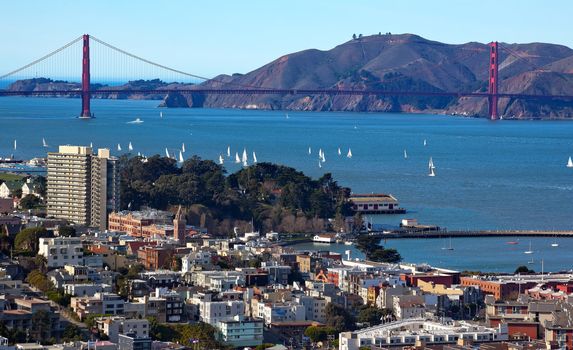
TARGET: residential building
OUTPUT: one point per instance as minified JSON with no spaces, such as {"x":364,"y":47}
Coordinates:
{"x":241,"y":332}
{"x":82,"y":187}
{"x":61,"y":251}
{"x":114,"y":326}
{"x":130,"y":341}
{"x":375,"y":204}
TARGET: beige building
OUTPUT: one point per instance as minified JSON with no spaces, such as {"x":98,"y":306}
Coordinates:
{"x":83,"y":187}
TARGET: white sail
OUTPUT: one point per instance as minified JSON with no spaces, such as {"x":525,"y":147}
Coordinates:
{"x":254,"y":157}
{"x":323,"y":158}
{"x":160,"y":114}
{"x":244,"y":158}
{"x":319,"y":164}
{"x":130,"y":147}
{"x":349,"y":154}
{"x":118,"y":147}
{"x":181,"y":157}
{"x":167,"y":153}
{"x":425,"y":142}
{"x":286,"y":115}
{"x":44,"y":142}
{"x":309,"y":151}
{"x":228,"y":151}
{"x":220,"y":159}
{"x":570,"y":163}
{"x":15,"y":145}
{"x":139,"y":154}
{"x":431,"y":168}
{"x":339,"y":152}
{"x":91,"y":145}
{"x":405,"y":155}
{"x":237,"y":159}
{"x":183,"y":147}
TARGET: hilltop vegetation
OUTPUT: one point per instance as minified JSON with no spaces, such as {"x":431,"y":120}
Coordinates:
{"x":275,"y":197}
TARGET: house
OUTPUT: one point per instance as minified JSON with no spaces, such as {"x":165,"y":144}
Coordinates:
{"x":31,"y":187}
{"x":8,"y":188}
{"x":324,"y":238}
{"x":61,"y":251}
{"x":113,"y":326}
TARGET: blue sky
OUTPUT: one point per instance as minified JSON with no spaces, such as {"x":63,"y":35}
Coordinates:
{"x":216,"y":36}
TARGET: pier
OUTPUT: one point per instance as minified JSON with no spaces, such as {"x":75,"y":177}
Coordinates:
{"x":473,"y":233}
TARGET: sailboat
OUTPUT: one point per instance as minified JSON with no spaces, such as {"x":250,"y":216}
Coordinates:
{"x":139,"y":154}
{"x":349,"y":154}
{"x":228,"y":151}
{"x":220,"y":159}
{"x":286,"y":115}
{"x":44,"y":142}
{"x":183,"y":147}
{"x":160,"y":114}
{"x":91,"y":145}
{"x":130,"y":147}
{"x":528,"y":251}
{"x":339,"y":153}
{"x":237,"y":159}
{"x":319,"y":164}
{"x":449,"y":247}
{"x":405,"y":155}
{"x":322,"y":157}
{"x":167,"y":153}
{"x":254,"y":157}
{"x":15,"y":145}
{"x":244,"y":158}
{"x":431,"y":168}
{"x":309,"y":151}
{"x":555,"y":244}
{"x":425,"y":143}
{"x":570,"y":163}
{"x":118,"y":147}
{"x":181,"y":160}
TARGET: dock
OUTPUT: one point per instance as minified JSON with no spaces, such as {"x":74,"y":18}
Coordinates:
{"x":473,"y":233}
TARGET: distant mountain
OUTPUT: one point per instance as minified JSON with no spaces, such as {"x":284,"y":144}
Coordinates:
{"x":402,"y":62}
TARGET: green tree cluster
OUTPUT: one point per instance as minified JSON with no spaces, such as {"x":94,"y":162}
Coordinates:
{"x":185,"y":334}
{"x":29,"y":202}
{"x":272,"y":195}
{"x":27,"y":240}
{"x":373,"y":315}
{"x":339,"y":318}
{"x":317,"y":334}
{"x":370,"y":246}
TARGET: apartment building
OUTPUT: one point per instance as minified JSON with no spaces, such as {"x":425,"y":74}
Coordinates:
{"x":61,"y":251}
{"x":83,"y":187}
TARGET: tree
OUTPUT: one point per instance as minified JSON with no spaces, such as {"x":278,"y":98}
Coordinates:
{"x":41,"y":326}
{"x":29,"y":202}
{"x":339,"y":318}
{"x":71,"y":333}
{"x":67,"y":231}
{"x":39,"y":280}
{"x":27,"y":240}
{"x":523,"y":270}
{"x":372,"y":315}
{"x":354,"y":36}
{"x":317,"y":334}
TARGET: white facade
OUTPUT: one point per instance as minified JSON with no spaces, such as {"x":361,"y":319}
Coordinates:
{"x":114,"y":326}
{"x":242,"y":332}
{"x":323,"y":238}
{"x":283,"y":312}
{"x":61,"y":251}
{"x":408,"y":332}
{"x":314,"y":307}
{"x":85,"y":289}
{"x":212,"y":312}
{"x":4,"y":191}
{"x":195,"y":258}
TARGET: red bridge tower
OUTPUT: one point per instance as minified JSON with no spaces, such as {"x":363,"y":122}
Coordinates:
{"x":86,"y":112}
{"x":493,"y":81}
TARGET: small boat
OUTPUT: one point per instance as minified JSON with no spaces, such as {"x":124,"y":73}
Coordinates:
{"x":405,"y":155}
{"x":348,"y":243}
{"x":130,"y":147}
{"x":167,"y":153}
{"x":431,"y":168}
{"x":309,"y":151}
{"x":139,"y":154}
{"x":160,"y":114}
{"x":228,"y":151}
{"x":119,"y":147}
{"x":136,"y":121}
{"x":15,"y":145}
{"x":570,"y":163}
{"x":237,"y":158}
{"x":221,"y":159}
{"x":449,"y":247}
{"x":528,"y":251}
{"x":512,"y":242}
{"x":555,"y":244}
{"x":425,"y":143}
{"x":44,"y":142}
{"x":349,"y":154}
{"x":339,"y":153}
{"x":254,"y":157}
{"x":181,"y":160}
{"x":244,"y":158}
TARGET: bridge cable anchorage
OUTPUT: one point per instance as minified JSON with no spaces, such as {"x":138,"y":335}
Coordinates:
{"x":42,"y":58}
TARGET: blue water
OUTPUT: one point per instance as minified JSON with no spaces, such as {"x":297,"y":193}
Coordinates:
{"x":503,"y":175}
{"x":488,"y":254}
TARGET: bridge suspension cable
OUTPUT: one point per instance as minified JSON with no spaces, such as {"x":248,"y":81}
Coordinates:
{"x":41,"y":58}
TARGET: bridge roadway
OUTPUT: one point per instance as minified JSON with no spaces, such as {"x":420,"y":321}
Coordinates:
{"x":284,"y":92}
{"x":474,"y":233}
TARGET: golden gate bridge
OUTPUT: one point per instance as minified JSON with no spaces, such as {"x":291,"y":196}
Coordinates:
{"x":44,"y":67}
